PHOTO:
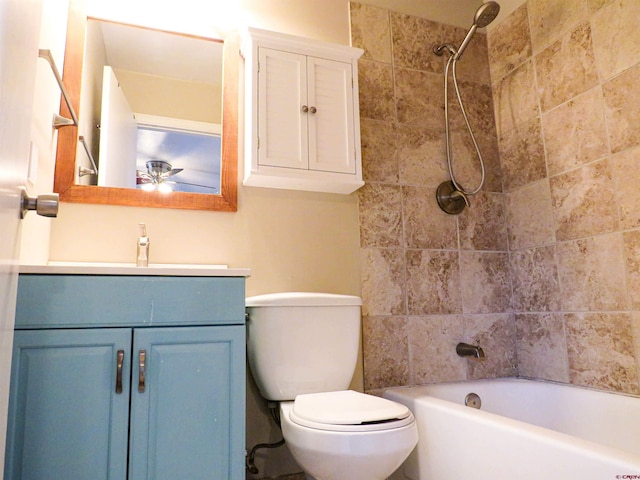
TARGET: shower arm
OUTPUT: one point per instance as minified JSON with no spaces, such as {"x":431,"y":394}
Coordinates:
{"x":439,"y":49}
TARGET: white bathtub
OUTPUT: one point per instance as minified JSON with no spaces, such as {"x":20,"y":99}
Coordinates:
{"x":525,"y":430}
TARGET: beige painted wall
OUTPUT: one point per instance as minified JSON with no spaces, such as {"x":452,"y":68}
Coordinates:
{"x":290,"y":240}
{"x":34,"y":245}
{"x":170,"y":97}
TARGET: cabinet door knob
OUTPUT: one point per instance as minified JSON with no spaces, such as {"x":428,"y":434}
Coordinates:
{"x":119,"y":362}
{"x":142,"y":357}
{"x":305,"y":109}
{"x":312,"y":109}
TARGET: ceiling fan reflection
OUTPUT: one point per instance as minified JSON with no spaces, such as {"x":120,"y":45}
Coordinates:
{"x":158,"y":171}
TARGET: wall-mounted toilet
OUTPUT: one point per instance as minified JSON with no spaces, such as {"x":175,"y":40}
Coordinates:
{"x":302,"y":350}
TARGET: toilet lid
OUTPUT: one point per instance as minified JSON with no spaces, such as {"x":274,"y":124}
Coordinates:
{"x":347,"y":408}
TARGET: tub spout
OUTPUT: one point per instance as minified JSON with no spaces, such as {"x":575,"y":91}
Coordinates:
{"x":466,"y":350}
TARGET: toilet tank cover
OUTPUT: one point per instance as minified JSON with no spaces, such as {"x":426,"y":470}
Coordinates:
{"x":301,"y":299}
{"x":347,"y":408}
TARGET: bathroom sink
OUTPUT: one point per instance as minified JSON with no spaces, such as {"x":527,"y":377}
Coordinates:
{"x":105,"y":268}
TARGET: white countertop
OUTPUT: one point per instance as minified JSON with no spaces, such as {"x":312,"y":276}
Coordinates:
{"x":160,"y":269}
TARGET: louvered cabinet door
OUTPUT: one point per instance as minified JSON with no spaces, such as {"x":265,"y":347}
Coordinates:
{"x":282,"y":124}
{"x":331,"y":135}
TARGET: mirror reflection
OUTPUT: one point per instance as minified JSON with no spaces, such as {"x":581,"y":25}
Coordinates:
{"x":151,"y":110}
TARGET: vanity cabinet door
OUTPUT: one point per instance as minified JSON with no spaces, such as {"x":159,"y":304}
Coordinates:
{"x":66,"y":419}
{"x":187,"y":408}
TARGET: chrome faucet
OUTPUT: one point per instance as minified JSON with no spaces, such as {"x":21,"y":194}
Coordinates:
{"x":466,"y":350}
{"x":142,"y":259}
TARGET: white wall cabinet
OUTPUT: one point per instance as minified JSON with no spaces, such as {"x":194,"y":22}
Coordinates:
{"x":302,"y":125}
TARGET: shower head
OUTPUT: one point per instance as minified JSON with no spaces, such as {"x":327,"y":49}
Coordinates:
{"x":486,"y":13}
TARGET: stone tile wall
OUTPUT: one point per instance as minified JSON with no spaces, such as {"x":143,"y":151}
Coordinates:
{"x":544,"y":270}
{"x":566,"y":77}
{"x":429,"y":280}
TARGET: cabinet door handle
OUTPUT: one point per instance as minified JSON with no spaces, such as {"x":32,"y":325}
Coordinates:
{"x":119,"y":362}
{"x":312,"y":109}
{"x":304,"y":109}
{"x":142,"y":357}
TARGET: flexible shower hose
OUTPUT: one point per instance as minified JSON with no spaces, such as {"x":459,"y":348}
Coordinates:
{"x":451,"y":63}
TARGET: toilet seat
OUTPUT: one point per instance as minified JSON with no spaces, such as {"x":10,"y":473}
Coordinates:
{"x":348,"y":411}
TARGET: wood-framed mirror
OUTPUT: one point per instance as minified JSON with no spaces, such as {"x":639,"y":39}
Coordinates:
{"x":66,"y":179}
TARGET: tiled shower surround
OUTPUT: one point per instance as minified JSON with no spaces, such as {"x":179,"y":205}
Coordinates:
{"x":543,"y":271}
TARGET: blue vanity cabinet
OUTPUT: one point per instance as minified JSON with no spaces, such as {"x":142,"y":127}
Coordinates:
{"x":157,"y":396}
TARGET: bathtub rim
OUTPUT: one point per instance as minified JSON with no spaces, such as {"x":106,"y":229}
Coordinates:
{"x":508,"y":379}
